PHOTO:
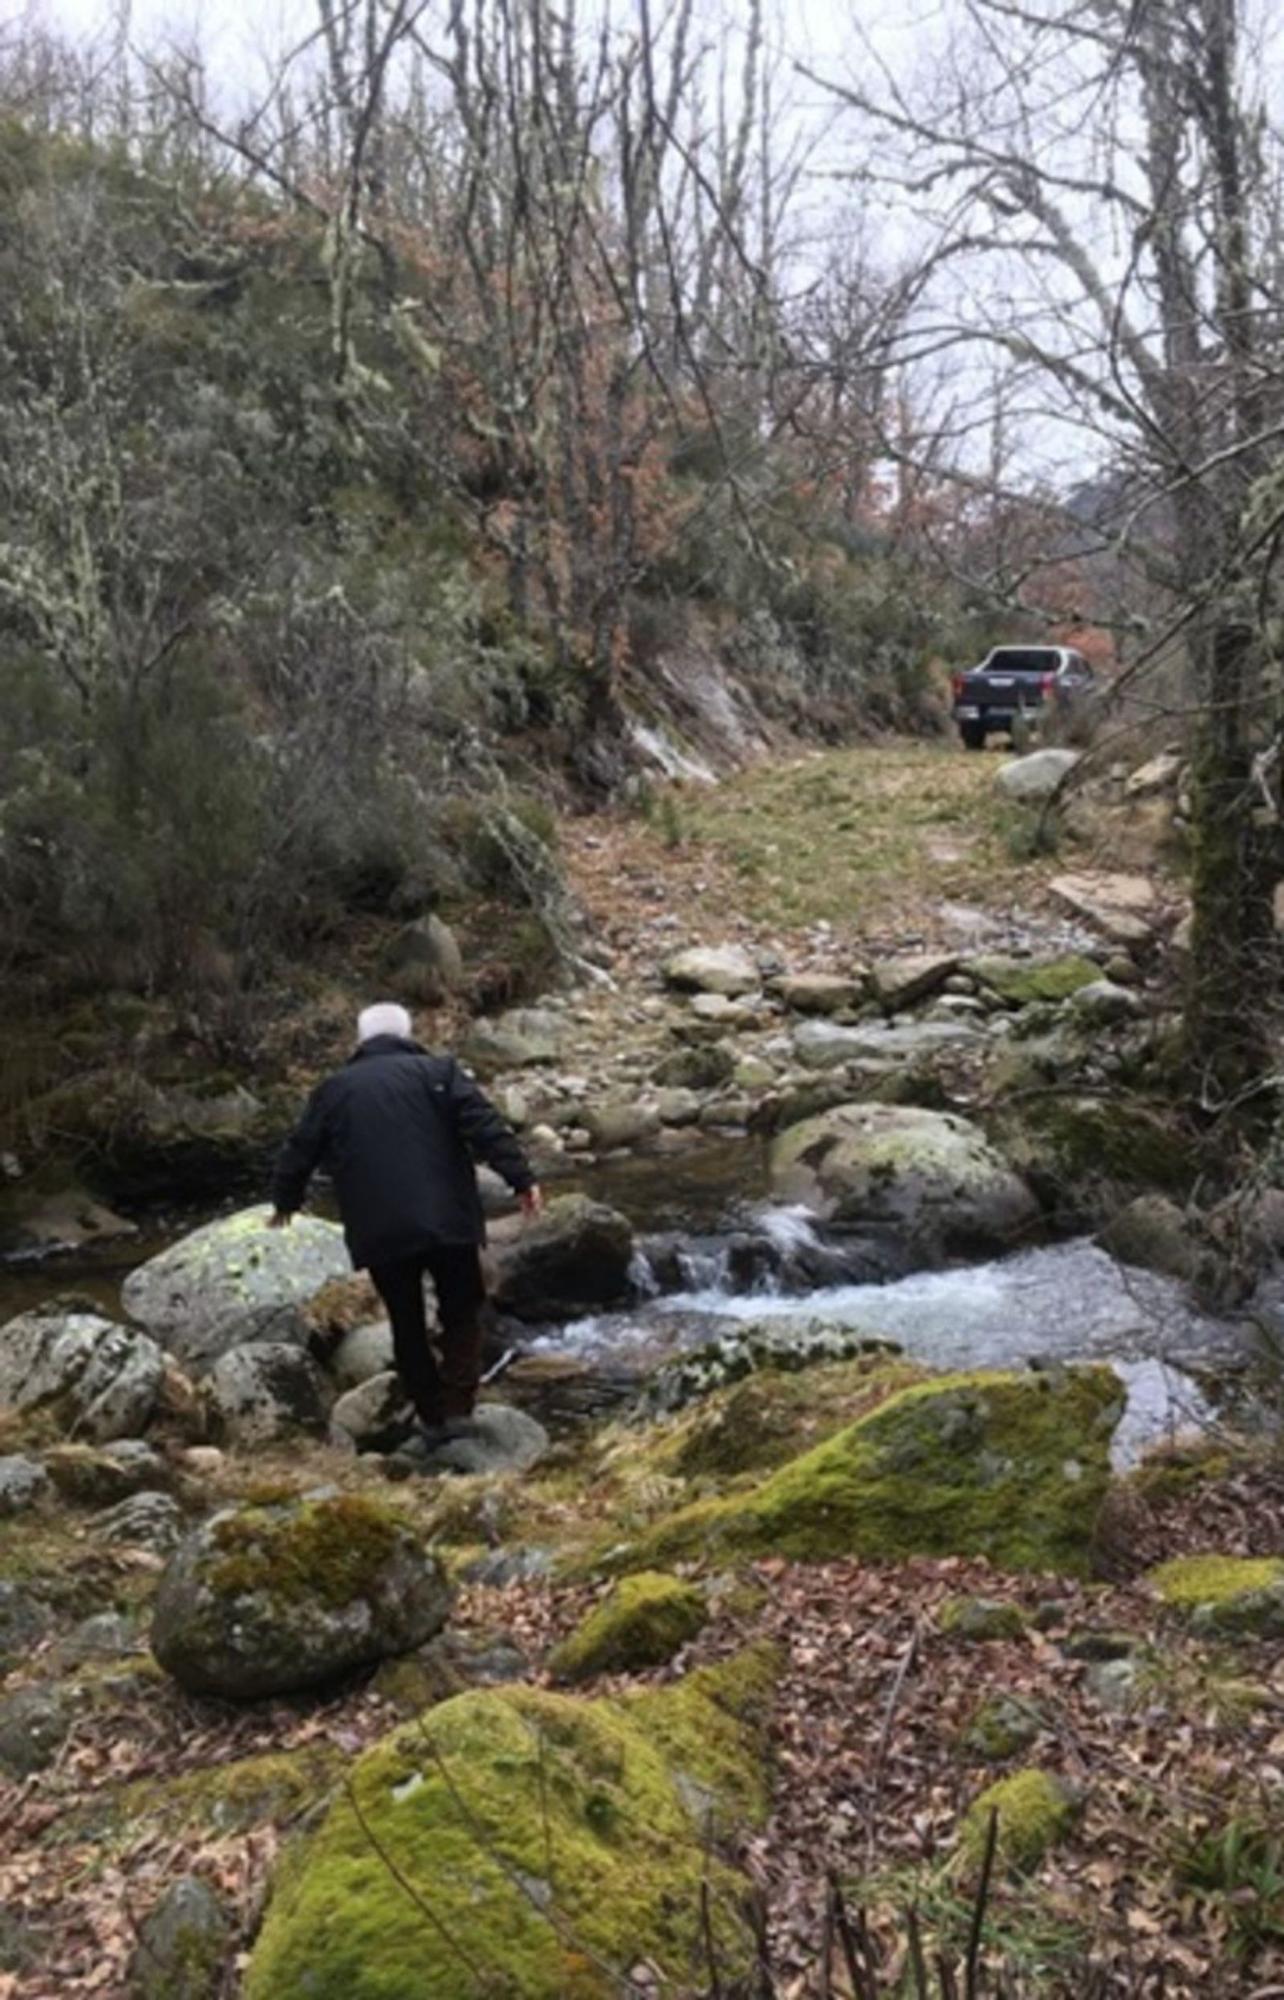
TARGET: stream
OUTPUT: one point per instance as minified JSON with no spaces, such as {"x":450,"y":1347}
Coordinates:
{"x":715,"y":1253}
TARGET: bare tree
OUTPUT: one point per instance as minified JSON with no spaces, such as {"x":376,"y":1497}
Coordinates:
{"x":1096,"y":188}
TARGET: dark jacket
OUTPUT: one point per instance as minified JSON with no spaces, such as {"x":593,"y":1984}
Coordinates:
{"x":397,"y":1130}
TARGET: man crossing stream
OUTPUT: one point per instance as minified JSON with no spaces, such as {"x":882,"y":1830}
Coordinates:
{"x":398,"y":1130}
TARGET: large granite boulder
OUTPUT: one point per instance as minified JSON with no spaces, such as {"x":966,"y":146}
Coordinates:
{"x":262,"y":1391}
{"x":559,"y":1842}
{"x":1032,"y":780}
{"x":575,"y":1256}
{"x":823,"y":1045}
{"x":271,"y":1599}
{"x":91,"y":1376}
{"x":1010,"y":1467}
{"x":235,"y":1280}
{"x":931,"y":1178}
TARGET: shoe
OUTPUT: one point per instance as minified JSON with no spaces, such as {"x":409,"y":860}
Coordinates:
{"x":433,"y":1436}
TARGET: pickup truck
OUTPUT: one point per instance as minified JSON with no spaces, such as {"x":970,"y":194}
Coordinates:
{"x":1013,"y":682}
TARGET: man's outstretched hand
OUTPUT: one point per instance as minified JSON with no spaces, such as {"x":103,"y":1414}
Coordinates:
{"x":532,"y":1201}
{"x":279,"y":1219}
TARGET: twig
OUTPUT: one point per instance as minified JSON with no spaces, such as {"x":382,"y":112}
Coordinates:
{"x":917,"y":1965}
{"x":979,"y":1906}
{"x":864,"y":1984}
{"x":884,"y":1737}
{"x":711,"y":1949}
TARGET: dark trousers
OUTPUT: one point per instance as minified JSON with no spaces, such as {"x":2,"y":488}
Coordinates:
{"x":438,"y":1392}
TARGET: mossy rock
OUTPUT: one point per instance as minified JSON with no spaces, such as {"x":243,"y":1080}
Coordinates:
{"x":1225,"y":1593}
{"x":981,"y":1618}
{"x":641,"y":1622}
{"x":1024,"y":982}
{"x":1011,"y":1467}
{"x":1003,"y":1726}
{"x":1073,"y":1148}
{"x":270,"y":1599}
{"x":1035,"y":1811}
{"x":543,"y":1845}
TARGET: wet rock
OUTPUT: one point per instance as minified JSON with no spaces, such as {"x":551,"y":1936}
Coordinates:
{"x":366,"y":1352}
{"x":34,"y":1723}
{"x":574,"y":1256}
{"x":24,"y":1622}
{"x":678,"y":1107}
{"x":90,"y":1375}
{"x":267,"y":1600}
{"x":262,"y":1391}
{"x":144,"y":1521}
{"x":182,"y":1945}
{"x":23,"y":1482}
{"x":524,"y":1038}
{"x":770,"y":1345}
{"x":620,"y":1122}
{"x":818,"y":992}
{"x":725,"y":969}
{"x":930,"y":1177}
{"x":1124,"y":908}
{"x":900,"y":982}
{"x":376,"y":1415}
{"x":1033,"y":779}
{"x":1152,"y":1232}
{"x":233,"y":1281}
{"x":498,"y":1439}
{"x":704,"y":1067}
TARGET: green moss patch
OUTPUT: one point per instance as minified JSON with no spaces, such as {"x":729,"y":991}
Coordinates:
{"x":1023,"y":982}
{"x":1229,"y":1593}
{"x":524,"y":1844}
{"x":326,"y":1549}
{"x":1011,"y":1467}
{"x":1035,"y":1810}
{"x":981,"y":1618}
{"x":641,"y":1622}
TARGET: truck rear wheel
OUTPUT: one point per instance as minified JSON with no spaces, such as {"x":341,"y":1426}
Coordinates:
{"x":973,"y":734}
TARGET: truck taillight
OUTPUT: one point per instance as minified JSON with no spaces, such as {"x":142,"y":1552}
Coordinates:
{"x":956,"y":681}
{"x":1048,"y":683}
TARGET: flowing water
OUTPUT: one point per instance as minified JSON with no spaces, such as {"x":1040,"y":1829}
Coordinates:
{"x":719,"y":1254}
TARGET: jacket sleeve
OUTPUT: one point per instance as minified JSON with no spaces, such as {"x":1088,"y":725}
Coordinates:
{"x":300,"y":1155}
{"x":488,"y":1136}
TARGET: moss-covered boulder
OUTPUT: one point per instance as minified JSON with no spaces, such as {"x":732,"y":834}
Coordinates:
{"x":641,"y":1622}
{"x":1078,"y":1151}
{"x":1026,"y":982}
{"x":265,"y":1600}
{"x":981,"y":1618}
{"x":1225,"y":1593}
{"x":930,"y":1177}
{"x":234,"y":1280}
{"x":1011,"y":1467}
{"x":1003,"y":1726}
{"x":541,"y":1844}
{"x":1035,"y":1810}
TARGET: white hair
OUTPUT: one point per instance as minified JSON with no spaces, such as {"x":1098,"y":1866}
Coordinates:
{"x":384,"y":1018}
